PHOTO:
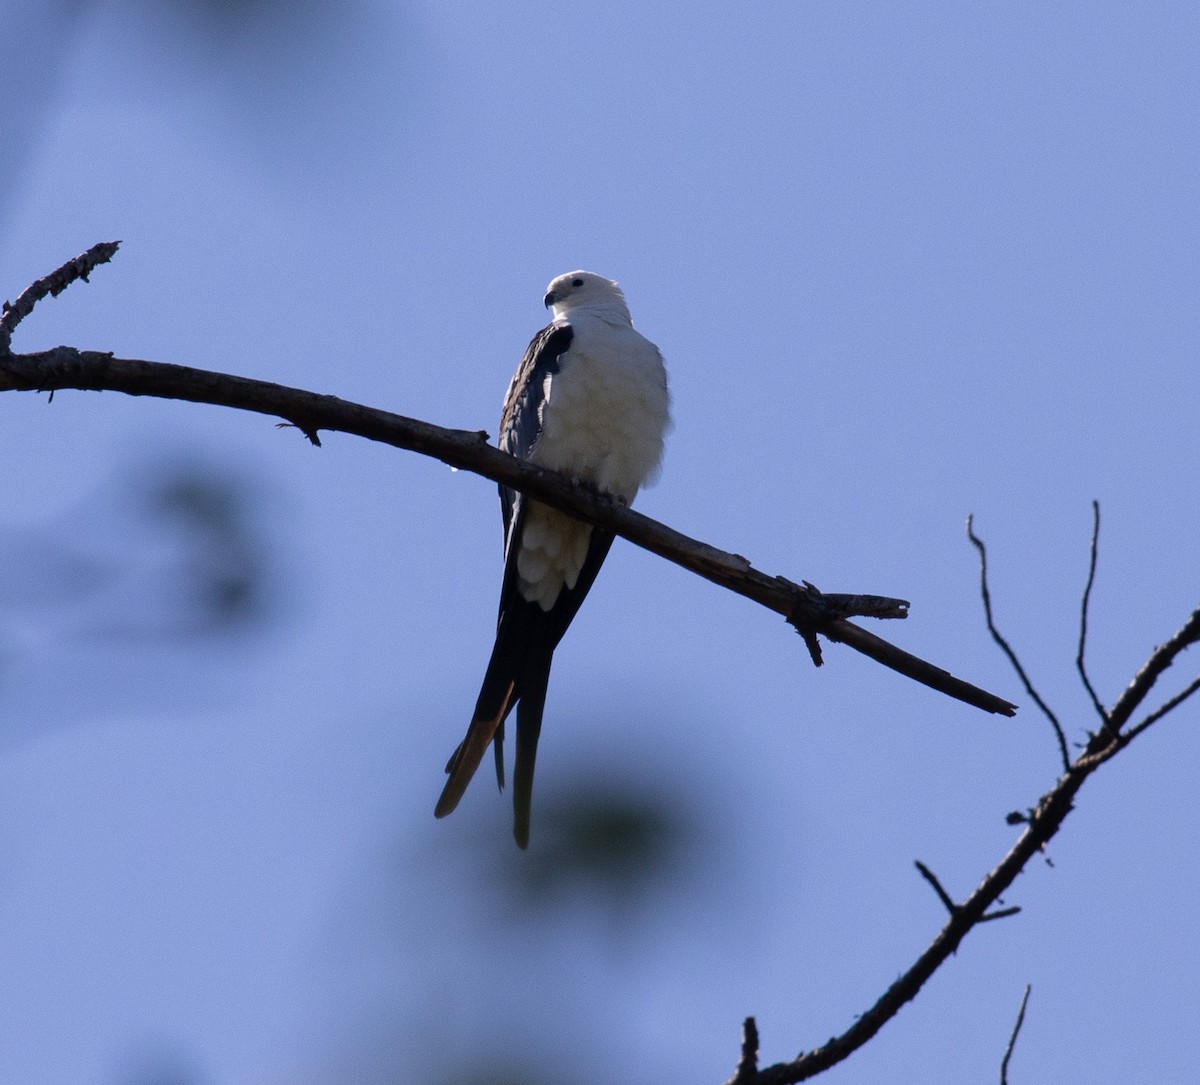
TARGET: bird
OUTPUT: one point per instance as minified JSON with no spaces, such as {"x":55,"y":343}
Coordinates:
{"x":590,"y":400}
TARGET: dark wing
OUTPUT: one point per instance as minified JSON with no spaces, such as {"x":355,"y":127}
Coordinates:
{"x":521,"y":419}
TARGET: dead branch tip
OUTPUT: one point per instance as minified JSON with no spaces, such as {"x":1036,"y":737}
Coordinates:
{"x":931,"y":878}
{"x":79,"y":267}
{"x":747,"y":1067}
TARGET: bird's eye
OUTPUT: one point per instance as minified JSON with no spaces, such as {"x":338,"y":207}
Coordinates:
{"x":577,"y":282}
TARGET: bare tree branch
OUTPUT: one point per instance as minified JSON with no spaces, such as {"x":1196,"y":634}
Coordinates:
{"x":1083,"y":614}
{"x":1007,"y":649}
{"x":1041,"y":823}
{"x":809,"y":611}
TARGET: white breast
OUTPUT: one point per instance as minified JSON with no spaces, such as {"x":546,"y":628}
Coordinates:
{"x":604,"y":419}
{"x":607,"y":410}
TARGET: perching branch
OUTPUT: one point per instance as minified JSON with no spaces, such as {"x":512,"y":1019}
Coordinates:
{"x":1042,"y":823}
{"x":808,"y":610}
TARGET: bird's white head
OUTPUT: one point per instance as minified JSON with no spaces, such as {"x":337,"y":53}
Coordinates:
{"x":577,"y":290}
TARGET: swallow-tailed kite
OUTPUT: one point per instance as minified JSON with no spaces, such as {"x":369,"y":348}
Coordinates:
{"x":589,"y":399}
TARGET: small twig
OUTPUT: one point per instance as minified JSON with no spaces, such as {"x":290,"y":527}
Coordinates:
{"x":311,"y":434}
{"x":53,"y":284}
{"x":1012,"y":1040}
{"x":1006,"y":648}
{"x":1000,"y":913}
{"x":747,"y":1067}
{"x":931,"y":878}
{"x":809,"y":636}
{"x":1083,"y":615}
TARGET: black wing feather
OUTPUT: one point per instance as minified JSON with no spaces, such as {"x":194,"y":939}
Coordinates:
{"x":521,"y":419}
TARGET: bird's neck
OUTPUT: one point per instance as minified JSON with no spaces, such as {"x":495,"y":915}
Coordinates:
{"x":614,"y":312}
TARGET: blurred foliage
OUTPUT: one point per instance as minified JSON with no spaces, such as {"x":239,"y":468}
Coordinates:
{"x":281,"y":33}
{"x":232,"y":15}
{"x":222,"y":561}
{"x":178,"y":554}
{"x":603,"y":846}
{"x":503,"y":1074}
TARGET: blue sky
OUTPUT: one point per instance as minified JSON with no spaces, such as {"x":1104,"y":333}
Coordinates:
{"x":904,"y":263}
